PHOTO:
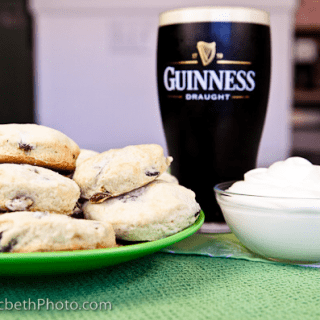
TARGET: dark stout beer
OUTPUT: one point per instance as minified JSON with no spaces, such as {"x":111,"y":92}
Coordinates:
{"x":213,"y":69}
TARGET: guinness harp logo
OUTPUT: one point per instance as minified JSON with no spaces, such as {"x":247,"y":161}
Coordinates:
{"x":207,"y":52}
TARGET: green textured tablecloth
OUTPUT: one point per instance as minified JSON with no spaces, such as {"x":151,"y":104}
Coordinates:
{"x":171,"y":286}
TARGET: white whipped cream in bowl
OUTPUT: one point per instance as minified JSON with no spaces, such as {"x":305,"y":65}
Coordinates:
{"x":275,"y":211}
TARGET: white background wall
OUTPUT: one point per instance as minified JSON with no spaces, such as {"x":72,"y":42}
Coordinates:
{"x":96,"y":71}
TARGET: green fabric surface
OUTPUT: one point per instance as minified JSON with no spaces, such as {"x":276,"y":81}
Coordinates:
{"x":172,"y":286}
{"x":222,"y":245}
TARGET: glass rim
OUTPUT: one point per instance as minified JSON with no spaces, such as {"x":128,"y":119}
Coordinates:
{"x":214,"y":14}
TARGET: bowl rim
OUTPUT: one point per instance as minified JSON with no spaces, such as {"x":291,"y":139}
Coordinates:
{"x":220,"y":189}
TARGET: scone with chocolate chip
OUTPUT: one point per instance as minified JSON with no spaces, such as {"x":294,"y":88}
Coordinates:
{"x":152,"y":212}
{"x":117,"y":171}
{"x":29,"y":188}
{"x":37,"y":145}
{"x":40,"y":231}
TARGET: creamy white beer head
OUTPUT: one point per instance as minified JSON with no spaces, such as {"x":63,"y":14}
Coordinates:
{"x":214,"y":14}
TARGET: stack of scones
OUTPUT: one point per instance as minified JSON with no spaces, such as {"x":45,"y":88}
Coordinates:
{"x":55,"y":196}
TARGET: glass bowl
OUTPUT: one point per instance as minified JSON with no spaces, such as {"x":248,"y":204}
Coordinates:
{"x":276,"y":228}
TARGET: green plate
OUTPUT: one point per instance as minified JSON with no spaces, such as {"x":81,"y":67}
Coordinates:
{"x":39,"y":263}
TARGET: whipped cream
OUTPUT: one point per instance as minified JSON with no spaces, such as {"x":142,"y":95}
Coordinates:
{"x":295,"y":178}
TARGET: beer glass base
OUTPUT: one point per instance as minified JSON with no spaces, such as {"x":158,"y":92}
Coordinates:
{"x":214,"y":227}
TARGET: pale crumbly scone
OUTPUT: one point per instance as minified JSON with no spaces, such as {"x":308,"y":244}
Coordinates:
{"x":117,"y":171}
{"x":29,"y":188}
{"x":85,"y":154}
{"x":152,"y":212}
{"x":166,"y":176}
{"x":37,"y":145}
{"x":41,"y":231}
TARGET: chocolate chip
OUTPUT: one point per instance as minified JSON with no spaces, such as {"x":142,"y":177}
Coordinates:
{"x":25,"y":147}
{"x":152,"y":173}
{"x":127,"y":198}
{"x":132,"y":195}
{"x":77,"y":215}
{"x":100,"y":197}
{"x":81,"y":201}
{"x":9,"y":246}
{"x":77,"y":212}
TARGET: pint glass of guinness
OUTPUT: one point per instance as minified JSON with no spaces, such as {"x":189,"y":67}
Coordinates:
{"x":213,"y":73}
